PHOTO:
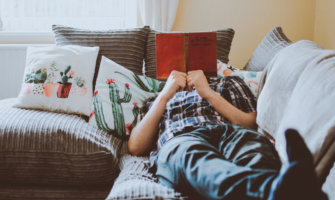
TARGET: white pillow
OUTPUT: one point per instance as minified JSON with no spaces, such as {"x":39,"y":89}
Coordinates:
{"x":59,"y":78}
{"x":118,"y":98}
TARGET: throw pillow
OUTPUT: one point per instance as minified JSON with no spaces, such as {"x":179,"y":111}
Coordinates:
{"x":58,"y":79}
{"x":118,"y":98}
{"x":224,"y":40}
{"x":124,"y":46}
{"x":274,"y":41}
{"x":251,"y":78}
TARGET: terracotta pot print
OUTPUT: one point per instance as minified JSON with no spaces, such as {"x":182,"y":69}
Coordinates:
{"x":50,"y":89}
{"x":64,"y":90}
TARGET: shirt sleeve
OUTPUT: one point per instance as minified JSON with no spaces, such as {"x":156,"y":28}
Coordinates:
{"x":238,"y":93}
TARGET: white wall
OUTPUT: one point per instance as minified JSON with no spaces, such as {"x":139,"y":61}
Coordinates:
{"x":12,"y":63}
{"x":324,"y":33}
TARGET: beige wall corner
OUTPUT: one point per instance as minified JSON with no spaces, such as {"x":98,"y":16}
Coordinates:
{"x":251,"y":20}
{"x":324,"y":32}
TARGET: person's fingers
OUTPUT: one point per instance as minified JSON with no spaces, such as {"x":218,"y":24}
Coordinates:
{"x":181,"y":85}
{"x":174,"y":72}
{"x":190,"y":84}
{"x":182,"y":76}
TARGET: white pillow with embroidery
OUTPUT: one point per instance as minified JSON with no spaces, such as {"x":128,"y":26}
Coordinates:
{"x":59,"y":79}
{"x":251,"y":78}
{"x":118,"y":98}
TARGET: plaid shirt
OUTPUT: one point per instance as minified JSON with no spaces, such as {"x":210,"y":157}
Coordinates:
{"x":187,"y":109}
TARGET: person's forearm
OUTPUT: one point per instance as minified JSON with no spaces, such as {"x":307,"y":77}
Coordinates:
{"x":233,"y":114}
{"x":143,"y":135}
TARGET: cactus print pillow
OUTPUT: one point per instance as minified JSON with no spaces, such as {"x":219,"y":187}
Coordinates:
{"x":251,"y":78}
{"x":59,"y":78}
{"x":118,"y":98}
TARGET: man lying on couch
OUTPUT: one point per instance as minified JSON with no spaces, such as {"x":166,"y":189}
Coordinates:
{"x":208,"y":150}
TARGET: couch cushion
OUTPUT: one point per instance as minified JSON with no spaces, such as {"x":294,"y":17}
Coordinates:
{"x":38,"y":147}
{"x":299,"y":92}
{"x":136,"y":182}
{"x":224,"y":40}
{"x":274,"y":41}
{"x":124,"y":46}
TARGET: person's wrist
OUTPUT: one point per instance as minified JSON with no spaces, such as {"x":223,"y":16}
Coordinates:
{"x":163,"y":97}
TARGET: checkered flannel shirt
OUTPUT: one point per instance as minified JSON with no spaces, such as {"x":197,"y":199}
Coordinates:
{"x":187,"y":109}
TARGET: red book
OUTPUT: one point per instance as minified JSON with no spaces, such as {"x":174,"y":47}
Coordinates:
{"x":185,"y":52}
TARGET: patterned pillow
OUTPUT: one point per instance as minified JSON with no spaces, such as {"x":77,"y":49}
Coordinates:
{"x":59,"y":79}
{"x":118,"y":98}
{"x":274,"y":41}
{"x":251,"y":78}
{"x":224,"y":40}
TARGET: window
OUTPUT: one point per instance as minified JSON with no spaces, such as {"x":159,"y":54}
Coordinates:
{"x":39,"y":15}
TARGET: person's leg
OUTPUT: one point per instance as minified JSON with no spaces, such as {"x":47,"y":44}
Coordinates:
{"x":246,"y":147}
{"x":192,"y":164}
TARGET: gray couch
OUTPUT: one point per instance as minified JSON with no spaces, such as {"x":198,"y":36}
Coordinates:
{"x":46,"y":155}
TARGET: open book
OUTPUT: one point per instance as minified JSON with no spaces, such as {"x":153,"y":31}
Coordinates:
{"x":185,"y":52}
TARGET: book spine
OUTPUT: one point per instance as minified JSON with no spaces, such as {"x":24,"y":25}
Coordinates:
{"x":186,"y":52}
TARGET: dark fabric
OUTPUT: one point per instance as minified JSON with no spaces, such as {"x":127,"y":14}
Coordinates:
{"x":219,"y":162}
{"x":187,"y":109}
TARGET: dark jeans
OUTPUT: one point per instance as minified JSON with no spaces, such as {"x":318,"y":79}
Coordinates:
{"x":219,"y":162}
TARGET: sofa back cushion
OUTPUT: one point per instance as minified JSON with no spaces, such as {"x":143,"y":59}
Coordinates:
{"x":124,"y":46}
{"x":224,"y":40}
{"x":45,"y":148}
{"x":274,"y":41}
{"x":299,"y":92}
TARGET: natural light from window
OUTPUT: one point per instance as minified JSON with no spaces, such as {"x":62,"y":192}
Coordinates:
{"x":39,"y":15}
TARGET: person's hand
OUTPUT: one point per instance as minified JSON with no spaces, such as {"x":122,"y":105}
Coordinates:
{"x":175,"y":82}
{"x":198,"y":80}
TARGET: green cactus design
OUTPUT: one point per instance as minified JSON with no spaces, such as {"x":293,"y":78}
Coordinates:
{"x":136,"y":112}
{"x":99,"y":114}
{"x":65,"y":78}
{"x":117,"y":110}
{"x":154,"y":85}
{"x":116,"y":102}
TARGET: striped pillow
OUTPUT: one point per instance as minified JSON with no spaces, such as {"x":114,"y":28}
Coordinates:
{"x":124,"y":46}
{"x":224,"y":40}
{"x":274,"y":41}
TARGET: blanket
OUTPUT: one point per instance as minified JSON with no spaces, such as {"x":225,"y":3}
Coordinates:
{"x":299,"y":92}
